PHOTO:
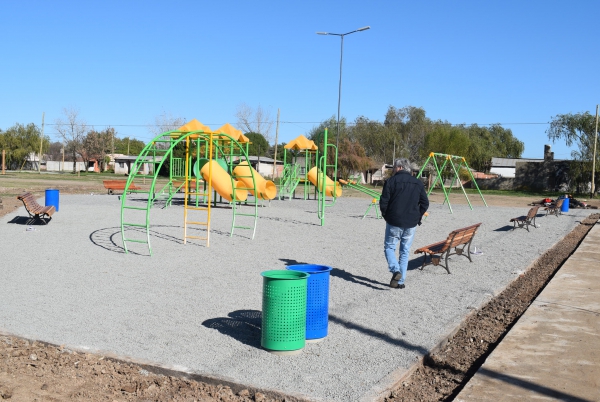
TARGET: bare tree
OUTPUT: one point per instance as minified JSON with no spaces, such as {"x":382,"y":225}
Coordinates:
{"x":258,"y":121}
{"x":165,"y":122}
{"x":72,"y":131}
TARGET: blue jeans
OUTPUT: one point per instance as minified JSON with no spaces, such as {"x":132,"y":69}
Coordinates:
{"x":393,"y":235}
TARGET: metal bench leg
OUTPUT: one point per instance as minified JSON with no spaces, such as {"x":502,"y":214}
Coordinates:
{"x":446,"y":261}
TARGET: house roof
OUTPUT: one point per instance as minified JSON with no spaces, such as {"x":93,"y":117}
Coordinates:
{"x":511,"y":162}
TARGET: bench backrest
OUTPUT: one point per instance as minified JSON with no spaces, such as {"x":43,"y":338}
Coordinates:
{"x":29,"y":201}
{"x":113,"y":182}
{"x":32,"y":206}
{"x":532,"y":212}
{"x":461,"y":236}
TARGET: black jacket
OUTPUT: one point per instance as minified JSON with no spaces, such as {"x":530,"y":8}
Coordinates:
{"x":403,"y":200}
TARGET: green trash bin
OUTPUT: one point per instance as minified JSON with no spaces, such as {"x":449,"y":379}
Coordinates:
{"x":284,"y":311}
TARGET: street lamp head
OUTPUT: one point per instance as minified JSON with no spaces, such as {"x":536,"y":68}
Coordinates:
{"x":363,"y":28}
{"x":322,"y":33}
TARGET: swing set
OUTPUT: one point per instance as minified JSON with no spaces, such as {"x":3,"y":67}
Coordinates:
{"x":449,"y":160}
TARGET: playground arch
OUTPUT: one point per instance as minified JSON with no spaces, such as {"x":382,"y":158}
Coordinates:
{"x":205,"y":172}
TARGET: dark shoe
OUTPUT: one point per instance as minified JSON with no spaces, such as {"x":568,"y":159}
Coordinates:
{"x":396,"y":276}
{"x":401,"y":286}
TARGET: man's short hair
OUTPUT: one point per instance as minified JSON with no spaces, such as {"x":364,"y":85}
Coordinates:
{"x":403,"y":163}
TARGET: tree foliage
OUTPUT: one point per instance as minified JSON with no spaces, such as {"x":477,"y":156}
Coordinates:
{"x":97,"y":144}
{"x":129,"y":146}
{"x":577,"y":129}
{"x":407,"y":129}
{"x":19,"y":142}
{"x":408,"y":132}
{"x":352,"y":158}
{"x":258,"y":145}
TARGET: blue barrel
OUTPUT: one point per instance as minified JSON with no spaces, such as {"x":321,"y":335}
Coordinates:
{"x":317,"y":300}
{"x":565,"y":205}
{"x":52,"y":197}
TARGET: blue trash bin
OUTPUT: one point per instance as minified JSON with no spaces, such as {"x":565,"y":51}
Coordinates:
{"x":565,"y":205}
{"x":317,"y":300}
{"x":52,"y":195}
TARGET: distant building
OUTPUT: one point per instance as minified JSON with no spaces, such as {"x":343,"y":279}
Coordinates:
{"x":122,"y":164}
{"x":506,"y":167}
{"x":264,"y":165}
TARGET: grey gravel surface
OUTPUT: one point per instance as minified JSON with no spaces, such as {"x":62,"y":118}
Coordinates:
{"x":198,"y":309}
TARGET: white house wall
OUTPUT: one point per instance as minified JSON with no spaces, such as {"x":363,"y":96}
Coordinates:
{"x":59,"y":166}
{"x":504,"y":172}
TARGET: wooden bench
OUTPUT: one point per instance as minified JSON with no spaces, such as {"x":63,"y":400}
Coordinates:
{"x":555,"y":208}
{"x":35,"y":210}
{"x":526,"y":220}
{"x":119,"y":185}
{"x":450,"y":246}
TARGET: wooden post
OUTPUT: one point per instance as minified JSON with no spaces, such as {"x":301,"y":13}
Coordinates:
{"x":3,"y":154}
{"x":41,"y":142}
{"x":594,"y":158}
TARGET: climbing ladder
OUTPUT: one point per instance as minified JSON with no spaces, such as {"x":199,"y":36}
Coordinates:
{"x":290,"y":180}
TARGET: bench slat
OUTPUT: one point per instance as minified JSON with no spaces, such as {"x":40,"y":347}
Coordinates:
{"x":456,"y":238}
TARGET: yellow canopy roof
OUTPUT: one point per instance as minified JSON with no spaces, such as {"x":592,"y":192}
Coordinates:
{"x":301,"y":143}
{"x":194,"y":125}
{"x":233,"y":132}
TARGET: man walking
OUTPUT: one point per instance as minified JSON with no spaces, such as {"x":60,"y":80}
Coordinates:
{"x":403,"y":202}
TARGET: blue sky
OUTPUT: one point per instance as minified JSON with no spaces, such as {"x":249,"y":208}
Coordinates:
{"x":123,"y":63}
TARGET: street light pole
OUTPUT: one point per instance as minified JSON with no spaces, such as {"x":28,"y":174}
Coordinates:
{"x":594,"y":158}
{"x":337,"y":136}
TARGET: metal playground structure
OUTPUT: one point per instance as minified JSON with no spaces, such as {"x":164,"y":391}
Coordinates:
{"x":449,"y":160}
{"x":214,"y":164}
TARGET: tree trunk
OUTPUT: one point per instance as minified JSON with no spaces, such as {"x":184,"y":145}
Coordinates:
{"x":74,"y":161}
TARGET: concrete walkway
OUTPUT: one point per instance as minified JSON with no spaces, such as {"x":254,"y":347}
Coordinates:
{"x":553,"y":351}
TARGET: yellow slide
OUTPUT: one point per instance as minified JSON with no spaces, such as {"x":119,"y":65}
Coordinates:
{"x":329,"y":185}
{"x":221,"y":181}
{"x":267,"y":190}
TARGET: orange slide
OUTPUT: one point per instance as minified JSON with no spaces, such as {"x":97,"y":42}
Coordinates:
{"x":221,"y":181}
{"x":267,"y":190}
{"x":329,"y":185}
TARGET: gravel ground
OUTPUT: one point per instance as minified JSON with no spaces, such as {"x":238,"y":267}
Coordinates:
{"x":198,"y":309}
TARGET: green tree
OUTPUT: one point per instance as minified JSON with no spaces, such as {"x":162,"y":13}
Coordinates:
{"x":258,"y":145}
{"x":486,"y":143}
{"x":19,"y":142}
{"x":280,"y":151}
{"x":446,"y":139}
{"x":408,"y":127}
{"x":376,"y":140}
{"x":128,"y":146}
{"x":577,"y":129}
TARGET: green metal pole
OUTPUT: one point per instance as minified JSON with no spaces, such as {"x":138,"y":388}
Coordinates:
{"x":460,"y":182}
{"x":474,"y":181}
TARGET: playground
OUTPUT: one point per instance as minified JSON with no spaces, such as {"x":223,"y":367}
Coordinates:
{"x":197,"y":309}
